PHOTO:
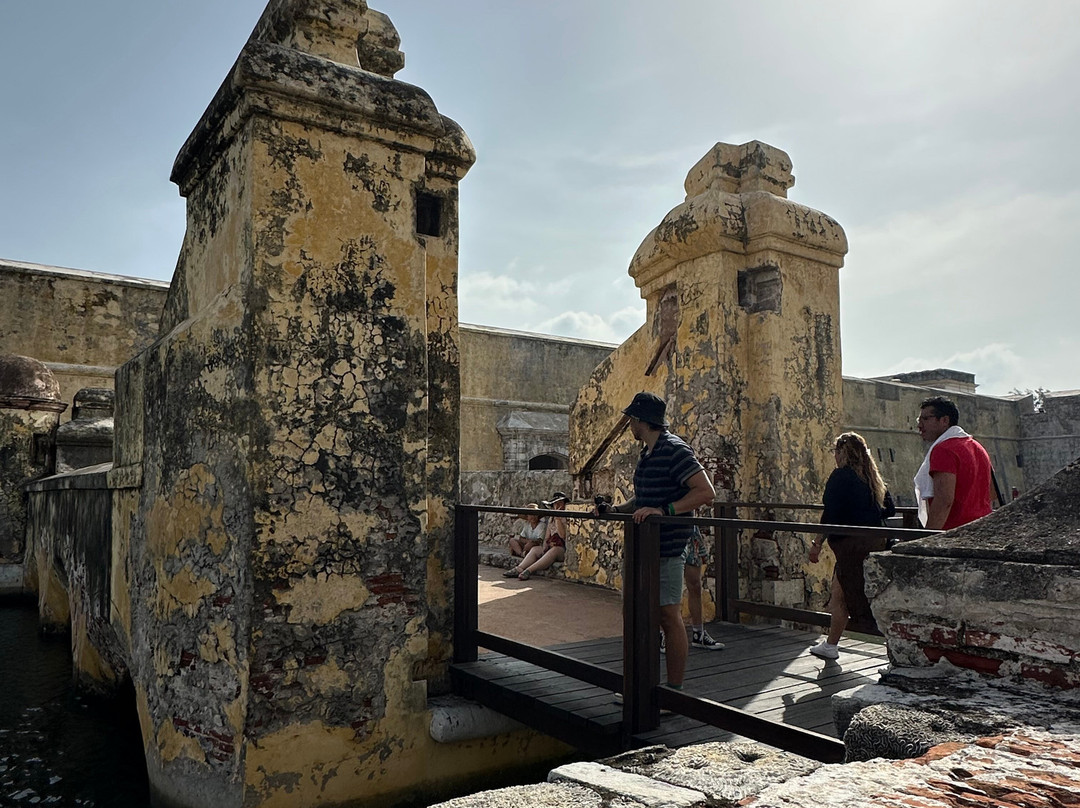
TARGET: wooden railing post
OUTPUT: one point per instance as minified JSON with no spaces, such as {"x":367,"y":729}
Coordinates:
{"x":726,"y":564}
{"x":466,"y":595}
{"x":641,"y":627}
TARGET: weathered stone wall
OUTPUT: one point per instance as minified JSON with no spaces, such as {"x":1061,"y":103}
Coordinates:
{"x":884,"y":413}
{"x":503,"y":372}
{"x":69,"y":553}
{"x":514,"y":489}
{"x":742,"y":341}
{"x":81,"y":324}
{"x":287,"y":517}
{"x":998,"y":595}
{"x":1051,"y":438}
{"x":30,"y":410}
{"x":25,"y":443}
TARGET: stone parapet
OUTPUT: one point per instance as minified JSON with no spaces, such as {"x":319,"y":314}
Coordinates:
{"x":998,"y":595}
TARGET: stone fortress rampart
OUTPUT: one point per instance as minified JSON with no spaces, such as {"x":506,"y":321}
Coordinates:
{"x":268,"y":555}
{"x":528,"y":382}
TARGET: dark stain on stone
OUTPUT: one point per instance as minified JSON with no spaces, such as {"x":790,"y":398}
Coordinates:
{"x":365,"y":171}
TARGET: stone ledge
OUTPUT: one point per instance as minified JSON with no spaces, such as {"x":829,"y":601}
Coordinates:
{"x":611,"y":782}
{"x":1023,"y":768}
{"x":94,"y":477}
{"x":499,"y":557}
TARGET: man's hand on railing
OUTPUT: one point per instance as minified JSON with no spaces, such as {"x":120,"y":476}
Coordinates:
{"x":599,"y":509}
{"x":641,"y":514}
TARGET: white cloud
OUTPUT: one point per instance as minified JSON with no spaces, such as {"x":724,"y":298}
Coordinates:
{"x":978,"y":283}
{"x":615,"y":327}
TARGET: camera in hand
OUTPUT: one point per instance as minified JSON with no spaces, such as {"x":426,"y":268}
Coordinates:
{"x":602,"y":502}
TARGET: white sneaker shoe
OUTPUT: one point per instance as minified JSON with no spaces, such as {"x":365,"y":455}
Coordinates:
{"x":825,"y":650}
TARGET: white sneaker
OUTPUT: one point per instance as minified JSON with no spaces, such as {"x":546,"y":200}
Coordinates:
{"x":825,"y":650}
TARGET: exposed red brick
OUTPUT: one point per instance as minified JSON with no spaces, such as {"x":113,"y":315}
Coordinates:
{"x":948,"y":637}
{"x":904,"y":631}
{"x":1053,"y":676}
{"x":981,"y":639}
{"x":938,"y":752}
{"x":963,"y":660}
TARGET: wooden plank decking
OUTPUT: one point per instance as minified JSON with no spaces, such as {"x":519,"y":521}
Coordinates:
{"x":764,"y":670}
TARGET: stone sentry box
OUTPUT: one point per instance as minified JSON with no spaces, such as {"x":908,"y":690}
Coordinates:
{"x":287,"y":450}
{"x":742,"y":341}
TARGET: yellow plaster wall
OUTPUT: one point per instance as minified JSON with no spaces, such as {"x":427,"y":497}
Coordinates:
{"x":503,"y":371}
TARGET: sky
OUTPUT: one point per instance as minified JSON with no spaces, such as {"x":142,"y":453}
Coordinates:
{"x":943,"y":136}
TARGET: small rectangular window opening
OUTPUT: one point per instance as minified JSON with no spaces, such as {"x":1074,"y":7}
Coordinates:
{"x":428,"y":214}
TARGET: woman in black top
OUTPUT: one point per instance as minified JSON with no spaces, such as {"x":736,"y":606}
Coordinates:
{"x":854,"y":495}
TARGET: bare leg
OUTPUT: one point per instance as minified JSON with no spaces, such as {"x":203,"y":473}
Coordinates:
{"x":545,"y":560}
{"x":837,"y":611}
{"x":675,"y":638}
{"x":529,"y":558}
{"x":692,"y":577}
{"x":516,"y":548}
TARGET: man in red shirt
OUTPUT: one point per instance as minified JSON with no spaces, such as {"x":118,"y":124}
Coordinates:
{"x":953,"y":483}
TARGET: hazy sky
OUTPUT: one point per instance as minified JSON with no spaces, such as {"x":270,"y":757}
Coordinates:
{"x":943,"y":136}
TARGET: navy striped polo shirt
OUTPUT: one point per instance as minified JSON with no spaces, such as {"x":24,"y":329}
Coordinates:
{"x":660,"y":478}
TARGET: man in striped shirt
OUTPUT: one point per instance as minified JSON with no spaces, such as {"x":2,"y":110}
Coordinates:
{"x":668,"y":481}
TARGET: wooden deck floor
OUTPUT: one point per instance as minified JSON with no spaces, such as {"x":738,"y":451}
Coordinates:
{"x":764,"y":670}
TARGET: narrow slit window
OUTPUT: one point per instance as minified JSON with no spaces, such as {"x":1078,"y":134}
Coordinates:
{"x":429,"y":209}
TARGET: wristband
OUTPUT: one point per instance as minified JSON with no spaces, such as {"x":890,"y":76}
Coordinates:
{"x":670,"y":508}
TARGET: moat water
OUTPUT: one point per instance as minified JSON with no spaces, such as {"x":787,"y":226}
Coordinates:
{"x":59,"y":746}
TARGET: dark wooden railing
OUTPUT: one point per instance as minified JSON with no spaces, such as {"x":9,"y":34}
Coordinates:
{"x":729,"y":607}
{"x":640,"y":678}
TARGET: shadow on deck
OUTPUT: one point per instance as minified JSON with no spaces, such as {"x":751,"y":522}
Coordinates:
{"x":764,"y":670}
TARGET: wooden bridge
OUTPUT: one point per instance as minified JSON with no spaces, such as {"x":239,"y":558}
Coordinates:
{"x":763,"y":685}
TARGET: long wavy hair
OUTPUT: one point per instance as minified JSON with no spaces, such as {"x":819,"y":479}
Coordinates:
{"x":853,"y":453}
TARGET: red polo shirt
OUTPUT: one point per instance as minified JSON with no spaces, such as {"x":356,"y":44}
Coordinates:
{"x":968,"y":460}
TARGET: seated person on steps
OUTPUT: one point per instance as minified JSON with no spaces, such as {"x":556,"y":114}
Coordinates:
{"x":533,"y":532}
{"x":553,"y":548}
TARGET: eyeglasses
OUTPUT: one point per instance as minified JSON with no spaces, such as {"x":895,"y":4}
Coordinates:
{"x":923,"y":418}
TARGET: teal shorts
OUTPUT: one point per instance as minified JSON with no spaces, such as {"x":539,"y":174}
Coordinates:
{"x":671,"y":580}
